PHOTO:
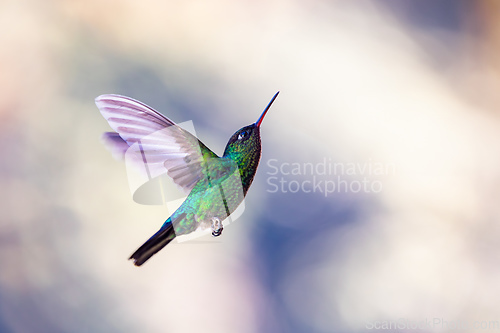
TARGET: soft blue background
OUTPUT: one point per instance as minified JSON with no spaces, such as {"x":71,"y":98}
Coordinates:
{"x":412,"y":84}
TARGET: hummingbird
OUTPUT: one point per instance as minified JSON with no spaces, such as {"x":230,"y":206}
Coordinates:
{"x":216,"y":186}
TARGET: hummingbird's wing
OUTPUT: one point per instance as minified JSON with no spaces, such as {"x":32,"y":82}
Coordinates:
{"x":153,"y":140}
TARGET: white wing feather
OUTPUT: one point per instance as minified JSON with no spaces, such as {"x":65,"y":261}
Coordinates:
{"x":155,"y":141}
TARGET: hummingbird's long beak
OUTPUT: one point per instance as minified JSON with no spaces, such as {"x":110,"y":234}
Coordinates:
{"x":259,"y":121}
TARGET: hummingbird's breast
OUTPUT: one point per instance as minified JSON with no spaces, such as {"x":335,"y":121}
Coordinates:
{"x":214,"y":197}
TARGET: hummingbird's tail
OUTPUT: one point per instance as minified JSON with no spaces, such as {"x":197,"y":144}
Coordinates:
{"x":157,"y":242}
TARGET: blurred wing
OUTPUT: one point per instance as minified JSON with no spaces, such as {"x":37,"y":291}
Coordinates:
{"x":152,"y":141}
{"x":114,"y":142}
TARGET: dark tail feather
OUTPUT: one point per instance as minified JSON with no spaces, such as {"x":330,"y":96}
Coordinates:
{"x":157,"y":242}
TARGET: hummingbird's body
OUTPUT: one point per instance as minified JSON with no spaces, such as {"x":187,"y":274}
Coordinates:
{"x":216,"y":185}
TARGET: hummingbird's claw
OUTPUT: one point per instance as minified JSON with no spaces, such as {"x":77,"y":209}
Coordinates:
{"x":216,"y":226}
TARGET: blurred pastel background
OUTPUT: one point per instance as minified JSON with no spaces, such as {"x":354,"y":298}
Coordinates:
{"x":411,"y":84}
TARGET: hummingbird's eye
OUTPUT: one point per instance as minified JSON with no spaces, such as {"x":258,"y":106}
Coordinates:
{"x":242,"y":135}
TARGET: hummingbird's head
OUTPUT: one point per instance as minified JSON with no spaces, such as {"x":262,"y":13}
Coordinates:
{"x":244,"y":143}
{"x":244,"y":148}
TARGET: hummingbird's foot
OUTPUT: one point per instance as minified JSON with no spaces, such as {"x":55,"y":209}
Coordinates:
{"x":216,"y":226}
